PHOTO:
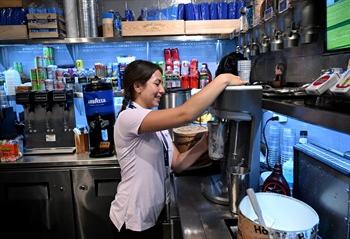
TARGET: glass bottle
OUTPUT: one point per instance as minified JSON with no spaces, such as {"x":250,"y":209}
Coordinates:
{"x":169,"y":77}
{"x":210,"y":76}
{"x":91,"y":75}
{"x":303,"y":137}
{"x":194,"y":74}
{"x":176,"y":77}
{"x":82,"y":80}
{"x":185,"y":78}
{"x":203,"y":77}
{"x":69,"y":79}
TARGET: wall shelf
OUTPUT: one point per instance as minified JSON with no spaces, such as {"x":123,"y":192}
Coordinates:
{"x":113,"y":39}
{"x":313,"y":115}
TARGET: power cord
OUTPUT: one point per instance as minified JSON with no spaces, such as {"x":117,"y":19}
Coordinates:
{"x":274,"y":118}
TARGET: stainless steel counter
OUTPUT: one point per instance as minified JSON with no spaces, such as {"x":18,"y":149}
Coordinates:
{"x":200,"y":218}
{"x":58,"y":160}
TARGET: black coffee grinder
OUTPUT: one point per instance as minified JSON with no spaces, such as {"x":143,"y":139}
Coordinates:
{"x":100,"y":114}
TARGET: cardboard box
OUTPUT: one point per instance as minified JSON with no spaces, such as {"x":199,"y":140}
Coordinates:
{"x":153,"y":28}
{"x":46,"y":25}
{"x":342,"y":87}
{"x":211,"y":26}
{"x":10,"y":3}
{"x":323,"y":84}
{"x":13,"y":32}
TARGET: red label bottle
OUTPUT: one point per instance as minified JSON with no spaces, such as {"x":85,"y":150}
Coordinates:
{"x":276,"y":183}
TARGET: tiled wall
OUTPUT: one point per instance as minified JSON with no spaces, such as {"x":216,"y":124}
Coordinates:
{"x":304,"y":63}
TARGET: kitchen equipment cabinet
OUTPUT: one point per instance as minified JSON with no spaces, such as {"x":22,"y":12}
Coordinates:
{"x":94,"y":190}
{"x":69,"y":203}
{"x":36,"y":204}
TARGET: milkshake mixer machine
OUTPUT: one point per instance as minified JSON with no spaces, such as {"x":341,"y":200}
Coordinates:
{"x":238,"y":108}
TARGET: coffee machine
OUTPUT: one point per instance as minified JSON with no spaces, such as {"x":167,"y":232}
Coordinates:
{"x":100,"y":114}
{"x":240,"y":108}
{"x":49,"y":121}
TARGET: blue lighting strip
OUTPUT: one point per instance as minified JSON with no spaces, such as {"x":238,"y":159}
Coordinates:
{"x":336,"y":162}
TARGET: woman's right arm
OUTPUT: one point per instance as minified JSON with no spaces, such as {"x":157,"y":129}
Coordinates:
{"x":191,"y":109}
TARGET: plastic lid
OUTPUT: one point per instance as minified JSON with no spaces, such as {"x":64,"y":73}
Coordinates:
{"x":107,"y":15}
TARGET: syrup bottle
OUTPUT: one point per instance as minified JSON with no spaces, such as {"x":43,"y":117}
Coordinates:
{"x":276,"y":183}
{"x":185,"y":78}
{"x":203,"y":77}
{"x":194,"y":74}
{"x":210,"y":76}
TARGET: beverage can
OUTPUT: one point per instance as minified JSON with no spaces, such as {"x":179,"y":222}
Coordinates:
{"x":16,"y":66}
{"x":59,"y":73}
{"x":20,"y":67}
{"x":46,"y":51}
{"x":46,"y":61}
{"x":51,"y":71}
{"x":59,"y":85}
{"x":41,"y":76}
{"x":51,"y":52}
{"x":49,"y":84}
{"x":34,"y":78}
{"x":38,"y":61}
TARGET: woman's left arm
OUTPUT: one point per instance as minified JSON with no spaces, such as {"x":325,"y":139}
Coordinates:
{"x":182,"y":161}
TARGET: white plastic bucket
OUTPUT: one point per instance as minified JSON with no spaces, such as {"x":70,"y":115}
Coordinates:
{"x":285,"y":217}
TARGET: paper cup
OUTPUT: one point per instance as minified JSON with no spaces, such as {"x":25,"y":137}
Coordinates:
{"x":283,"y":215}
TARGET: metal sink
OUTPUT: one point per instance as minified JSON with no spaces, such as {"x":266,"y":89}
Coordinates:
{"x":219,"y":224}
{"x":232,"y":226}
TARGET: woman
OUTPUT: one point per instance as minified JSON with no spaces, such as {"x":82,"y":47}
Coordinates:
{"x":144,"y":146}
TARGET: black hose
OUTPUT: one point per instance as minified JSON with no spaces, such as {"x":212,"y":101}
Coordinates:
{"x":266,"y":144}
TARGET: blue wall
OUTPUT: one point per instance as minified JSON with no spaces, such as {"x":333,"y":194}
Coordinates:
{"x":317,"y":134}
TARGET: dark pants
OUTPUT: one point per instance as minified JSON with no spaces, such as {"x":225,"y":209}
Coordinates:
{"x":155,"y":232}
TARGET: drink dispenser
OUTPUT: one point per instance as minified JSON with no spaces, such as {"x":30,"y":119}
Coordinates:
{"x":100,"y":114}
{"x":49,"y":121}
{"x":240,"y":107}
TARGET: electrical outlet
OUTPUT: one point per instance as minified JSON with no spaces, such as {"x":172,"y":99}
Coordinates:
{"x":281,"y":118}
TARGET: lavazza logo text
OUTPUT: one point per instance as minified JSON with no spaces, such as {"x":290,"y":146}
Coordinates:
{"x":96,"y":101}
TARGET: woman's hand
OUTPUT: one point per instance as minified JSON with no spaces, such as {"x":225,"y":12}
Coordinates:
{"x":204,"y":141}
{"x":182,"y":161}
{"x":231,"y":79}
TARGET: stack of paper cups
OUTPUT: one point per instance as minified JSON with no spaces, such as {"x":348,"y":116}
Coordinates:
{"x":243,"y":68}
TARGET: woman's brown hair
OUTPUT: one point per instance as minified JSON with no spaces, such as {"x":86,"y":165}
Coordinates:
{"x":137,"y":71}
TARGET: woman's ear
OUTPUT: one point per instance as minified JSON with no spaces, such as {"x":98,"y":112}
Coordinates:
{"x":137,"y":87}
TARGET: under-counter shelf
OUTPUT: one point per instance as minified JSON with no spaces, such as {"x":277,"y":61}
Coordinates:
{"x":198,"y":37}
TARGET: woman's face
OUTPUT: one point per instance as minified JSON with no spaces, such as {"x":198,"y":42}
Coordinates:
{"x":150,"y":93}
